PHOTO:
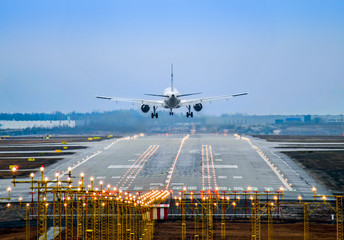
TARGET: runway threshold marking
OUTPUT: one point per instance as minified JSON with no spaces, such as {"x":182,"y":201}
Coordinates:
{"x":134,"y":164}
{"x":142,"y":165}
{"x":212,"y":162}
{"x":208,"y":169}
{"x":143,"y":161}
{"x":208,"y":162}
{"x":169,"y":177}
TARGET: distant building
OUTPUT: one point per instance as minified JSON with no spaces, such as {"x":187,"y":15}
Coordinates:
{"x":307,"y":118}
{"x":36,"y":124}
{"x":278,"y":121}
{"x":293,"y":119}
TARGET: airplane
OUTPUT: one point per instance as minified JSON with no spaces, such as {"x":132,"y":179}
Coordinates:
{"x":172,"y":99}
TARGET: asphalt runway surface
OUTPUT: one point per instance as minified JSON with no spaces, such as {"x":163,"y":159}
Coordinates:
{"x":176,"y":162}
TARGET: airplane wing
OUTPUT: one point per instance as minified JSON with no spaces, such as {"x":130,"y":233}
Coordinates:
{"x":139,"y":101}
{"x":185,"y":102}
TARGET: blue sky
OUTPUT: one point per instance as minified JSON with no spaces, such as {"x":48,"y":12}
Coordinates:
{"x":57,"y":55}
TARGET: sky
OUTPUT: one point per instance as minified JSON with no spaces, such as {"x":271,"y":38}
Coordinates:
{"x":57,"y":55}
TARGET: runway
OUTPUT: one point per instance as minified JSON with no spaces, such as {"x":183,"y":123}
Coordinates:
{"x":192,"y":162}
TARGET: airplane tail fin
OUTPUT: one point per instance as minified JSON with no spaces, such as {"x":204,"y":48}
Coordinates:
{"x":172,"y":77}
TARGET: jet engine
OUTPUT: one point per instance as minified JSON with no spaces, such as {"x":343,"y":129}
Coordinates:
{"x":198,"y":107}
{"x":145,"y":108}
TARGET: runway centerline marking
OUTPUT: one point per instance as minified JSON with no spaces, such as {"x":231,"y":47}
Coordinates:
{"x":175,"y":161}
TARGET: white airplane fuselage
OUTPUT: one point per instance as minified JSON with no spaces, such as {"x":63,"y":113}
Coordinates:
{"x":172,"y":101}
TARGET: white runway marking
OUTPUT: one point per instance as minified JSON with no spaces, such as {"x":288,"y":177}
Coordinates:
{"x":181,"y":184}
{"x":223,"y":177}
{"x":262,"y":155}
{"x":115,"y":177}
{"x":176,"y":188}
{"x":124,"y":166}
{"x":131,"y":160}
{"x":156,"y":184}
{"x":223,"y":166}
{"x":138,"y":188}
{"x":192,"y":188}
{"x":238,"y":189}
{"x":100,"y":177}
{"x":237,"y":177}
{"x":77,"y":165}
{"x":175,"y":160}
{"x":218,"y":160}
{"x":223,"y":188}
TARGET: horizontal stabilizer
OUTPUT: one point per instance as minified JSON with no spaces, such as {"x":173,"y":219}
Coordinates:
{"x":240,"y":94}
{"x":107,"y":98}
{"x":156,"y":95}
{"x":188,"y":94}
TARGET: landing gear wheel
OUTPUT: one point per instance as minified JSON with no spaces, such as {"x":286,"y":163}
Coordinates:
{"x":189,"y":113}
{"x":154,"y":113}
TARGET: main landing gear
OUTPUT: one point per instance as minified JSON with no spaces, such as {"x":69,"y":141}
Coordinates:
{"x":189,"y":113}
{"x":154,"y":113}
{"x":171,"y":113}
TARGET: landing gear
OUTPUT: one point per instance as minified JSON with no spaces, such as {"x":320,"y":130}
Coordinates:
{"x":189,"y":113}
{"x":171,"y":113}
{"x":154,"y":113}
